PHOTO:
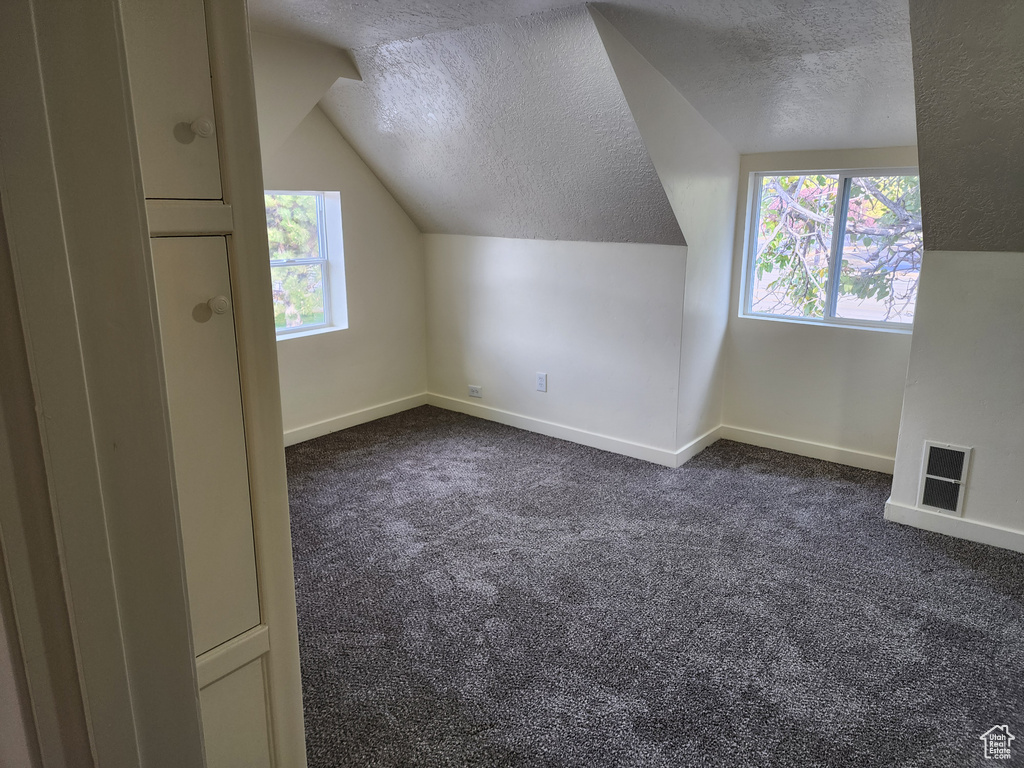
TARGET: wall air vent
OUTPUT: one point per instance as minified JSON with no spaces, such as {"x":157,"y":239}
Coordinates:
{"x":943,"y":477}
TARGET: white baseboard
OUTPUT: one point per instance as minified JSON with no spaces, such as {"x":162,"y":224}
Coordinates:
{"x":958,"y":527}
{"x":694,"y":447}
{"x":661,"y":456}
{"x":320,"y":428}
{"x":870,"y":461}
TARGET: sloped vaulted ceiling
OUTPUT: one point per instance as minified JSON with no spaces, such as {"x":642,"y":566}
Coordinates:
{"x":512,"y":129}
{"x":356,"y":24}
{"x":769,"y":75}
{"x":776,"y":75}
{"x":485,"y":119}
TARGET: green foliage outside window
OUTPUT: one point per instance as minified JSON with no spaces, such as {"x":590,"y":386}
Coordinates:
{"x":879,"y":254}
{"x":294,"y":231}
{"x":794,"y":239}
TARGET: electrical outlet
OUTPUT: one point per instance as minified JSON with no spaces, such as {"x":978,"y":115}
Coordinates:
{"x":475,"y":390}
{"x":542,"y":382}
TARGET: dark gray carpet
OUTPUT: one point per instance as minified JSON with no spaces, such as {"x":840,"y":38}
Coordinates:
{"x":473,"y":595}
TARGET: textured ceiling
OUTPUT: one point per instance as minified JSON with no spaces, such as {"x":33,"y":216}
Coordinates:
{"x":768,"y":74}
{"x":775,"y":75}
{"x":511,"y":129}
{"x":355,"y":24}
{"x":969,"y":60}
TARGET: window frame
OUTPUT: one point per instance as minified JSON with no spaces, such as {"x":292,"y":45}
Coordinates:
{"x":330,"y":260}
{"x":845,"y":175}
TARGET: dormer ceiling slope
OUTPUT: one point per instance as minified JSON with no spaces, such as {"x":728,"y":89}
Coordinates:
{"x":505,"y":118}
{"x":779,"y":75}
{"x":357,"y":24}
{"x":511,"y":129}
{"x":769,"y":75}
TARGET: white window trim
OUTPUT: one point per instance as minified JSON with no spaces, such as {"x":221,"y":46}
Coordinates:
{"x":750,"y":247}
{"x":305,"y":330}
{"x":332,"y":263}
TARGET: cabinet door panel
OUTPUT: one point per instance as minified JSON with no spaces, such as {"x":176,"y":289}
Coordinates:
{"x":235,"y":719}
{"x":206,"y":430}
{"x":169,"y":70}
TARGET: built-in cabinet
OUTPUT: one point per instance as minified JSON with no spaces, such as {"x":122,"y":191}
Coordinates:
{"x":204,"y":253}
{"x":172,"y":97}
{"x":198,"y":336}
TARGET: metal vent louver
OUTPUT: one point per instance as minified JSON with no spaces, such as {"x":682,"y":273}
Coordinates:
{"x":943,"y":477}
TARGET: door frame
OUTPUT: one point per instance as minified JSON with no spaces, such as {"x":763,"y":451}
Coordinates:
{"x":82,"y":275}
{"x":72,"y":200}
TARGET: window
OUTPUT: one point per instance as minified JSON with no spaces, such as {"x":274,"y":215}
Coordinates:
{"x":306,"y":260}
{"x":839,"y":247}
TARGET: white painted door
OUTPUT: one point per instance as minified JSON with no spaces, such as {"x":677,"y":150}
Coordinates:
{"x":197,"y":330}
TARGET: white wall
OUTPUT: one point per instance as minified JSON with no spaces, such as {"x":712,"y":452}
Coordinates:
{"x":965,"y":383}
{"x":834,"y":393}
{"x":329,"y":380}
{"x":290,"y":77}
{"x":697,"y":168}
{"x":502,"y":309}
{"x":601,"y":319}
{"x":965,"y":386}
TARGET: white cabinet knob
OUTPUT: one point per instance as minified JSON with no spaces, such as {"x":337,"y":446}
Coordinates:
{"x":219,"y":304}
{"x":202,"y":127}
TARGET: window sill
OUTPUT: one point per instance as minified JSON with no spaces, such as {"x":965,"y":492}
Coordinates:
{"x":905,"y":330}
{"x":310,"y":332}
